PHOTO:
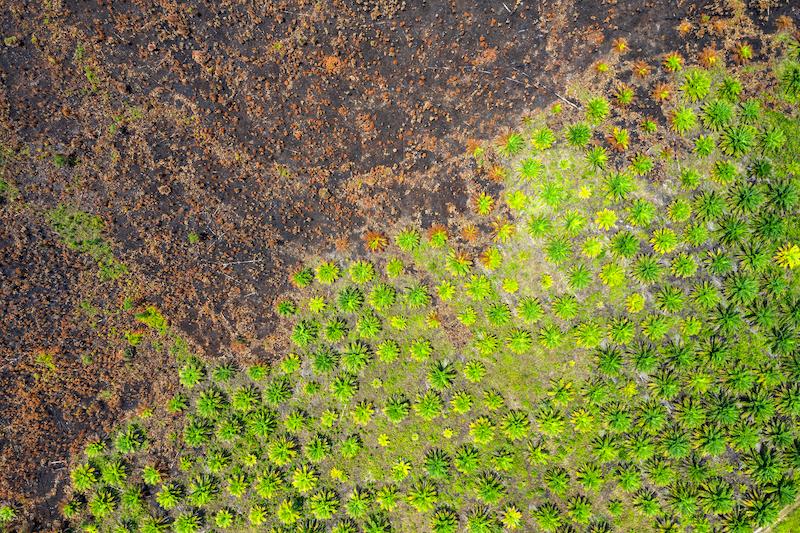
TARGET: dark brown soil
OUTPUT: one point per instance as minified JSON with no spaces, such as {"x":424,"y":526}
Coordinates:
{"x":272,"y":132}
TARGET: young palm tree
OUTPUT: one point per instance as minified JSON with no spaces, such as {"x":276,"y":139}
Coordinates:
{"x":481,"y":519}
{"x":548,"y":516}
{"x":605,"y":448}
{"x":628,"y":477}
{"x":489,"y":487}
{"x":437,"y":464}
{"x":665,"y":383}
{"x":660,"y":471}
{"x":609,"y":360}
{"x":683,"y":498}
{"x":711,"y":440}
{"x":444,"y":520}
{"x":557,"y":480}
{"x":765,"y":465}
{"x":324,"y":504}
{"x":716,"y":496}
{"x":590,"y":475}
{"x":785,"y":490}
{"x":676,"y":443}
{"x":647,"y":502}
{"x":580,"y":509}
{"x":762,"y":507}
{"x":652,"y":416}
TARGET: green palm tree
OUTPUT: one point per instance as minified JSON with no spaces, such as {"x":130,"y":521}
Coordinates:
{"x":609,"y":360}
{"x":647,"y":502}
{"x":580,"y":509}
{"x":590,"y":475}
{"x":660,"y":471}
{"x":683,"y":498}
{"x":489,"y":487}
{"x":665,"y":383}
{"x":422,"y":495}
{"x":358,"y":503}
{"x":628,"y":477}
{"x":765,"y":465}
{"x":437,"y":464}
{"x":652,"y":416}
{"x":605,"y":448}
{"x":481,"y":519}
{"x":324,"y":504}
{"x":716,"y":496}
{"x":761,"y":506}
{"x":548,"y":516}
{"x":557,"y":480}
{"x":676,"y":443}
{"x":444,"y":520}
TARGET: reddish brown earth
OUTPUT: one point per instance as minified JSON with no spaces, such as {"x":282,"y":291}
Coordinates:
{"x":272,"y":132}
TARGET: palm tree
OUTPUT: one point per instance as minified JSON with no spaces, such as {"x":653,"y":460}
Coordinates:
{"x":783,"y":195}
{"x":742,"y":288}
{"x":515,"y":425}
{"x":483,"y":520}
{"x":324,"y":504}
{"x":618,"y":418}
{"x":437,"y":463}
{"x":723,"y":408}
{"x":423,"y":495}
{"x":789,"y":399}
{"x":644,"y":357}
{"x":580,"y":509}
{"x":745,"y":436}
{"x":732,"y":230}
{"x":727,"y":319}
{"x":489,"y":487}
{"x":605,"y":448}
{"x":548,"y":516}
{"x":557,"y":480}
{"x":665,"y":383}
{"x":660,"y":471}
{"x":716,"y":496}
{"x":676,"y":443}
{"x":641,"y":446}
{"x":783,"y":338}
{"x":647,"y":269}
{"x":444,"y":520}
{"x":690,"y":413}
{"x":780,"y":433}
{"x":609,"y":360}
{"x":765,"y":465}
{"x":683,"y":498}
{"x":550,"y":421}
{"x":711,"y":440}
{"x":652,"y":416}
{"x":715,"y":350}
{"x":628,"y":477}
{"x":646,"y":501}
{"x":680,"y":354}
{"x":590,"y":476}
{"x":537,"y":452}
{"x":760,"y":403}
{"x":358,"y":503}
{"x":667,"y":524}
{"x":697,"y":469}
{"x":709,"y":205}
{"x":762,"y":507}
